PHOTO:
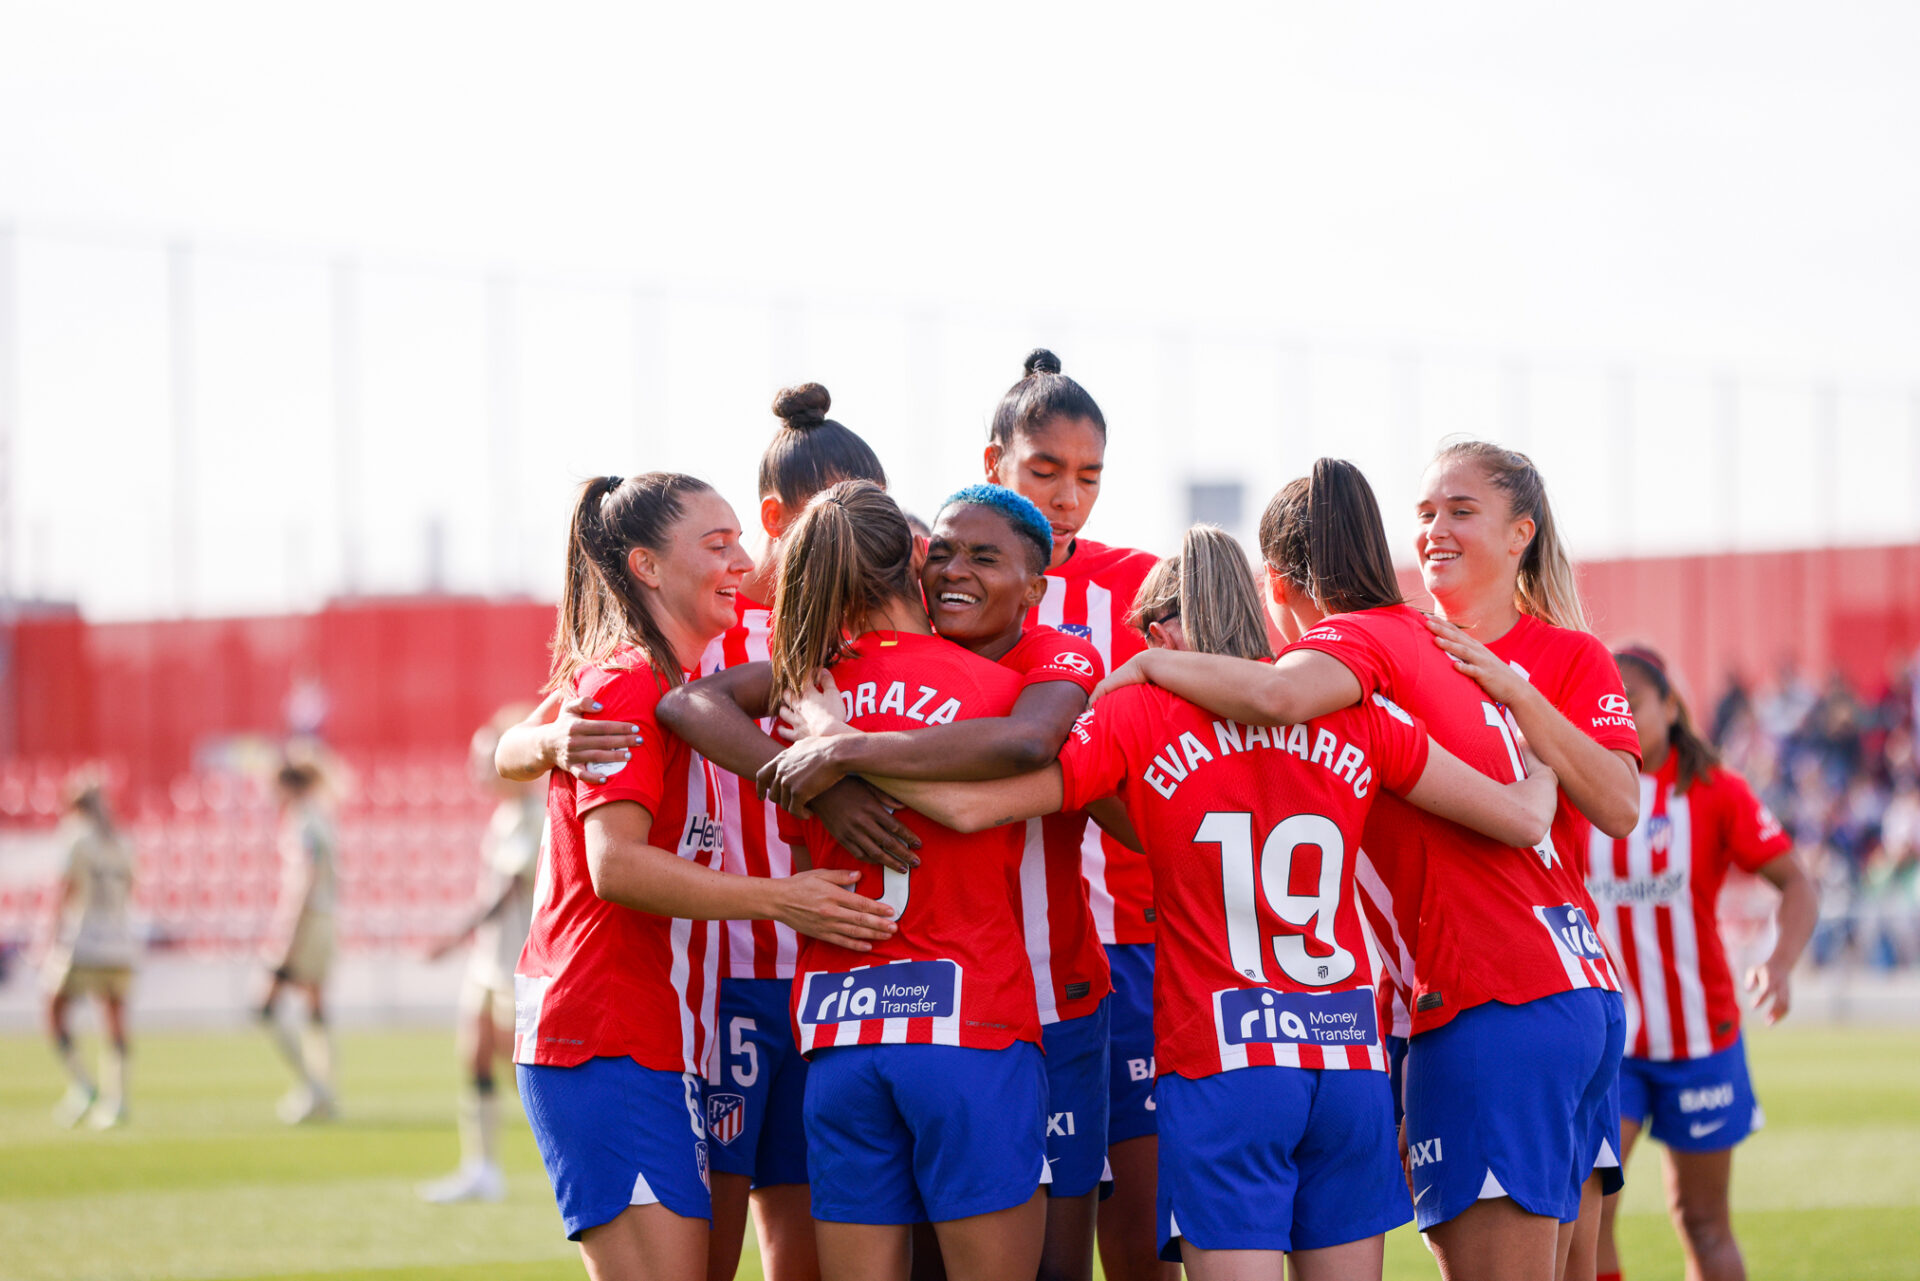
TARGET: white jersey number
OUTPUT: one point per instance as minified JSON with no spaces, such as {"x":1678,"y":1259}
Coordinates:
{"x":1502,"y":722}
{"x":1233,"y":833}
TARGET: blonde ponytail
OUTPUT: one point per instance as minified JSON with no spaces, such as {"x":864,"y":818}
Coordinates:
{"x":1209,"y":586}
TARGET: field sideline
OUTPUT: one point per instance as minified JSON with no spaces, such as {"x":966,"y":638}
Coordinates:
{"x":206,"y":1184}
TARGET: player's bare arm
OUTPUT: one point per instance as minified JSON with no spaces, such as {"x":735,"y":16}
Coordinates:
{"x":1603,"y":783}
{"x":719,"y":716}
{"x":562,"y":733}
{"x":1770,"y":984}
{"x":628,"y":869}
{"x":1517,"y":814}
{"x":1296,"y":687}
{"x":977,"y":806}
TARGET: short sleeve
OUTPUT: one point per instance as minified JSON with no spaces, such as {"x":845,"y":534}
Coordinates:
{"x":633,"y":696}
{"x":1349,"y":638}
{"x":1753,"y":837}
{"x":1046,"y":655}
{"x":1400,"y":743}
{"x":1093,"y":761}
{"x":1593,"y":697}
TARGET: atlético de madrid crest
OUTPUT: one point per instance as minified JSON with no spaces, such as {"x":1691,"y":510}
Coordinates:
{"x":726,"y":1116}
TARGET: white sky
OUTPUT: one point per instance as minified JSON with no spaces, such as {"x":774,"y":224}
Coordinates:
{"x":899,"y":200}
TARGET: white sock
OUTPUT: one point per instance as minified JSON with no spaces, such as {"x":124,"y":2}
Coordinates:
{"x":69,"y":1056}
{"x":317,"y":1041}
{"x":113,"y":1074}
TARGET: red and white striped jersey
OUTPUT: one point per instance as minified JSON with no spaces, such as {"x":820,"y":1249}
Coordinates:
{"x":751,"y":949}
{"x":1459,"y":918}
{"x":1578,"y":676}
{"x":1251,"y":834}
{"x":955,"y":972}
{"x":1090,"y":595}
{"x":1658,"y":889}
{"x":596,"y":979}
{"x":1070,"y":973}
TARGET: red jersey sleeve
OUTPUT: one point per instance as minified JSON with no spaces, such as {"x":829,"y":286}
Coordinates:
{"x":1594,"y":698}
{"x":630,"y":695}
{"x":1400,"y":743}
{"x":1046,"y":654}
{"x":1750,"y":833}
{"x":1093,"y":760}
{"x":1351,"y":639}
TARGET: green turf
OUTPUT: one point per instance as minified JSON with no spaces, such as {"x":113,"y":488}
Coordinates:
{"x":205,"y":1183}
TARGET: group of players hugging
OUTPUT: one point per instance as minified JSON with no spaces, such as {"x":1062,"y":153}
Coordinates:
{"x":969,"y":899}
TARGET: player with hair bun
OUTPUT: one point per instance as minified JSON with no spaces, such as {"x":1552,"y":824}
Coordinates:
{"x":1048,"y":441}
{"x":926,"y":1094}
{"x":1684,"y":1078}
{"x":1490,"y":961}
{"x":984,"y":569}
{"x":615,"y":990}
{"x":1276,"y":1131}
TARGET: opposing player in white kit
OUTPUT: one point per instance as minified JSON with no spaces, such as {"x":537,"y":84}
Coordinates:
{"x":502,"y":911}
{"x":91,"y":953}
{"x":299,"y":952}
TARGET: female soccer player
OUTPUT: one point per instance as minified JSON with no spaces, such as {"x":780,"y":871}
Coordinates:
{"x":1494,"y":945}
{"x":299,"y":951}
{"x":1276,"y":1139}
{"x":1510,"y":616}
{"x":1685,"y":1072}
{"x":985,"y":567}
{"x":91,"y":953}
{"x":757,"y":1077}
{"x":1048,"y":441}
{"x":616,"y":986}
{"x":497,"y":923}
{"x":926,"y":1096}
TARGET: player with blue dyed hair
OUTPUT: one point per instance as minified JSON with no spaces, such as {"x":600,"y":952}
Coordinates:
{"x":1024,"y":518}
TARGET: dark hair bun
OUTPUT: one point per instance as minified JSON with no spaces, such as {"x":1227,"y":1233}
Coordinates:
{"x":1042,"y":361}
{"x":804,"y":407}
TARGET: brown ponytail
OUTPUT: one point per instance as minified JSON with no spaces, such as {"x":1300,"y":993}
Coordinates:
{"x":1546,"y":588}
{"x":1209,"y":587}
{"x":848,"y":556}
{"x":1323,"y":534}
{"x":1695,"y":757}
{"x":603,"y":610}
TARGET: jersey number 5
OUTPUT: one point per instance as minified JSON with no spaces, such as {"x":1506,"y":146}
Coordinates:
{"x":1233,"y":833}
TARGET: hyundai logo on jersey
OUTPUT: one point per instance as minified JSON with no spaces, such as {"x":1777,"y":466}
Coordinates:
{"x":906,"y":990}
{"x":1251,"y":1014}
{"x":1571,"y":930}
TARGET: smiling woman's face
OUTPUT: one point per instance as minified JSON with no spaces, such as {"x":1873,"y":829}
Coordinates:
{"x":979,"y":577}
{"x":701,"y":565}
{"x":1467,"y":541}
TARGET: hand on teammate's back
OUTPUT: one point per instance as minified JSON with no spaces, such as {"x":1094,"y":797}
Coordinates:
{"x":821,"y":904}
{"x":861,"y":821}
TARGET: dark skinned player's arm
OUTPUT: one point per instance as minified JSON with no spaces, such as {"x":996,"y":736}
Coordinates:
{"x":1026,"y":738}
{"x":718,"y":715}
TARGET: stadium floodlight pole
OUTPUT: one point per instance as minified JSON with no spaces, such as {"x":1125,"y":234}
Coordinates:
{"x":1825,"y":472}
{"x":1726,"y":453}
{"x":1516,"y":420}
{"x":1623,"y":456}
{"x":650,"y":364}
{"x":502,"y":394}
{"x":343,"y":283}
{"x":180,"y":363}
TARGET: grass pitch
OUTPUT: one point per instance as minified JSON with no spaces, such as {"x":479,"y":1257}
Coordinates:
{"x":205,"y":1183}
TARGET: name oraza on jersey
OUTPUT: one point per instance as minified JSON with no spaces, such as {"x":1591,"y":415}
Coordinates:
{"x":865,"y":699}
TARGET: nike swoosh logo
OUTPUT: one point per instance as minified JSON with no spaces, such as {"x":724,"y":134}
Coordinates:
{"x":1700,"y":1131}
{"x":1422,"y":1192}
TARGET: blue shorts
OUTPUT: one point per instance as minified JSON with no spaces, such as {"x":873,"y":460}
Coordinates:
{"x":1077,"y":1101}
{"x":1130,"y":1064}
{"x":1696,"y":1105}
{"x":1396,"y":1051}
{"x":924,"y":1133}
{"x":1278,"y":1158}
{"x":615,"y":1134}
{"x":1515,"y":1101}
{"x":754,"y":1100}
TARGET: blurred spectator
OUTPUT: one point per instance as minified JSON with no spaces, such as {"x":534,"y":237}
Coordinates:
{"x":1837,"y":764}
